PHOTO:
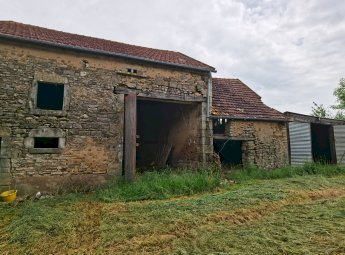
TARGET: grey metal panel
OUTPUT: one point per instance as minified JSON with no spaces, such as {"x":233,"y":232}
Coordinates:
{"x":300,"y":143}
{"x":339,"y":139}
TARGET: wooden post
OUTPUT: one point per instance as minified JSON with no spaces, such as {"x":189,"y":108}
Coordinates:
{"x":130,"y":136}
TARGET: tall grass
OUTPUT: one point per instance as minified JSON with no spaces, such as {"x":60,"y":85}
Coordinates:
{"x":160,"y":185}
{"x":254,"y":172}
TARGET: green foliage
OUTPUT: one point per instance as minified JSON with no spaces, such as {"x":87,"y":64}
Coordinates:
{"x":160,"y":185}
{"x":339,"y":93}
{"x":319,"y":110}
{"x":253,"y":172}
{"x":340,"y":115}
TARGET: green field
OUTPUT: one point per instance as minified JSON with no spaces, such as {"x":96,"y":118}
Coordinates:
{"x":295,"y":215}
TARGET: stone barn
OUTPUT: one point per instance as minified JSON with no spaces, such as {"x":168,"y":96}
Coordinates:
{"x":245,"y":130}
{"x":77,"y":108}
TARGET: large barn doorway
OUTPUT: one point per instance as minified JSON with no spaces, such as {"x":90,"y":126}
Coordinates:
{"x":323,"y":149}
{"x":166,"y":133}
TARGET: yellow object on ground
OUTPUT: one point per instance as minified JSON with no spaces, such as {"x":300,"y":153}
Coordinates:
{"x":9,"y":196}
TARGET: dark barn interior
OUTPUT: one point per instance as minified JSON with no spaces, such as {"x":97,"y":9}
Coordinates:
{"x":322,"y":145}
{"x":219,"y":126}
{"x":166,"y":133}
{"x":229,"y":151}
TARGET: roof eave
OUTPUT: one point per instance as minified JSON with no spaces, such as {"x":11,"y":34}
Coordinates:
{"x":95,"y":51}
{"x":248,"y":118}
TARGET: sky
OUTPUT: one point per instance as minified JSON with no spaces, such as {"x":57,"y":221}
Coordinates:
{"x":290,"y":52}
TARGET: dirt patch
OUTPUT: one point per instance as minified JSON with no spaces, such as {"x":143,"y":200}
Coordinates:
{"x":113,"y":209}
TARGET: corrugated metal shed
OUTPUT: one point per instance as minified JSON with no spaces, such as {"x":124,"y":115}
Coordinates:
{"x":300,"y":143}
{"x":339,"y":138}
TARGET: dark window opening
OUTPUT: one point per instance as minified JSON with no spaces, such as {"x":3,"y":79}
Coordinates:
{"x":0,"y":143}
{"x":46,"y":142}
{"x":131,"y":70}
{"x":322,"y":144}
{"x":50,"y":96}
{"x":229,"y":151}
{"x":219,"y":126}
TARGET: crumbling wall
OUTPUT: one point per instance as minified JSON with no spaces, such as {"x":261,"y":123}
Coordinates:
{"x":264,"y":143}
{"x":91,"y":123}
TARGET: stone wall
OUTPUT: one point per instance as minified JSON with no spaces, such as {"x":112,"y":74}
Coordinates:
{"x":90,"y":125}
{"x":264,"y":143}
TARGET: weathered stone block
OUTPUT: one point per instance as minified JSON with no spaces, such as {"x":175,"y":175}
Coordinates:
{"x":5,"y":178}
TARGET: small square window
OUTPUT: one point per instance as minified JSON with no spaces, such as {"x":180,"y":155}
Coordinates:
{"x":50,"y":96}
{"x":131,"y":70}
{"x":46,"y":142}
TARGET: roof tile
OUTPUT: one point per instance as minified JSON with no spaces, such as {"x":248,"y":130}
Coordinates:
{"x":233,"y":99}
{"x":45,"y":35}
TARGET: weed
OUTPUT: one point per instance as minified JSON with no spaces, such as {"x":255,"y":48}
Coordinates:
{"x":160,"y":185}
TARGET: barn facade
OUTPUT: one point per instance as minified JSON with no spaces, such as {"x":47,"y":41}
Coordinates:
{"x":83,"y":109}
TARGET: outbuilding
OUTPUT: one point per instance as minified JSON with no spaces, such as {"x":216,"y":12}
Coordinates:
{"x":245,"y":130}
{"x":314,"y":139}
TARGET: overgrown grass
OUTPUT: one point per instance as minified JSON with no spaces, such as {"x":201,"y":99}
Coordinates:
{"x":161,"y":184}
{"x":253,"y":172}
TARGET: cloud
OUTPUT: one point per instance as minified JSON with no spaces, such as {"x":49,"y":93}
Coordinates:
{"x":290,"y":52}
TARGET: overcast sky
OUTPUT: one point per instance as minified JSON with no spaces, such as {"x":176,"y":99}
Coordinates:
{"x":290,"y":52}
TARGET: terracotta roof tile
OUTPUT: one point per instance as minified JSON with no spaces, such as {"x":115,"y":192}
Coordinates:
{"x":44,"y":35}
{"x":233,"y":99}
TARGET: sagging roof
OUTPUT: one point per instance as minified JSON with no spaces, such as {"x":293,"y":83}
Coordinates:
{"x":20,"y":31}
{"x":233,"y":99}
{"x":299,"y":117}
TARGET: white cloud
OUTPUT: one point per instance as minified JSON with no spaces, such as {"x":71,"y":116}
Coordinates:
{"x":290,"y":52}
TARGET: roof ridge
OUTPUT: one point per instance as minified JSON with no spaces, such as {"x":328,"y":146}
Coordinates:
{"x":82,"y":35}
{"x":34,"y":33}
{"x":234,"y":99}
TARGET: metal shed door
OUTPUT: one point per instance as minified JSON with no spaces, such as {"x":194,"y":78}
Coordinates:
{"x":339,"y":139}
{"x":300,"y":143}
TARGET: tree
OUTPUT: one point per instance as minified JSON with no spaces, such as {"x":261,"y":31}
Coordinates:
{"x":340,"y":115}
{"x":339,"y":93}
{"x":319,"y":110}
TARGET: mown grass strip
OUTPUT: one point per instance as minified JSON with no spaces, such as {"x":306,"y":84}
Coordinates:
{"x":254,"y":172}
{"x":300,"y":215}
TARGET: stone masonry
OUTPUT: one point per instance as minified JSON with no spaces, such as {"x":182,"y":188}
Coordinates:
{"x":264,"y":143}
{"x":90,"y":126}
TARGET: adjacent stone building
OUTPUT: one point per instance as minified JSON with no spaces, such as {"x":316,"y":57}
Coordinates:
{"x":246,"y":131}
{"x":79,"y":108}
